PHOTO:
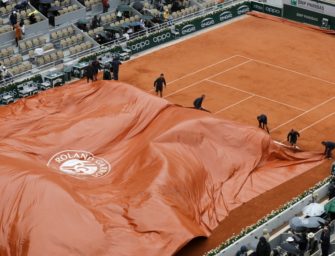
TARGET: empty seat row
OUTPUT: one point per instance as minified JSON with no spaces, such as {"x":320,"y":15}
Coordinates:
{"x":23,"y":67}
{"x":108,"y":18}
{"x":79,"y":48}
{"x":62,"y":3}
{"x":89,"y":3}
{"x":97,"y":30}
{"x":5,"y":28}
{"x":49,"y":58}
{"x":13,"y":60}
{"x":71,"y":40}
{"x":32,"y":43}
{"x":7,"y":51}
{"x":8,"y":9}
{"x":185,"y":11}
{"x":64,"y":32}
{"x":70,"y":8}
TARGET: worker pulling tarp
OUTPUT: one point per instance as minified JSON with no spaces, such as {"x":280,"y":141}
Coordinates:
{"x":106,"y":169}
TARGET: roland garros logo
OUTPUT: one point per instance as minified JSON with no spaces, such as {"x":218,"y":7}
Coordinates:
{"x":79,"y":164}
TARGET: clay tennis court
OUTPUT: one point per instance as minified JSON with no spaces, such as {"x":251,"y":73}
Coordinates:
{"x":245,"y":68}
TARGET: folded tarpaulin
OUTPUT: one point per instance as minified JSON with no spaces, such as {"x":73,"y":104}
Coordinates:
{"x":106,"y":169}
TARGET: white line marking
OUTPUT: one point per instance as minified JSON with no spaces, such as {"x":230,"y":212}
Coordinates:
{"x":263,"y":97}
{"x":206,"y":78}
{"x":316,"y":122}
{"x":290,"y":70}
{"x":232,"y":105}
{"x":307,"y":111}
{"x":199,"y":70}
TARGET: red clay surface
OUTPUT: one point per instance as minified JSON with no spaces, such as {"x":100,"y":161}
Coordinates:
{"x":245,"y":68}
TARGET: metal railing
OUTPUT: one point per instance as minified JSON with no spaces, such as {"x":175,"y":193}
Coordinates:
{"x":118,"y":42}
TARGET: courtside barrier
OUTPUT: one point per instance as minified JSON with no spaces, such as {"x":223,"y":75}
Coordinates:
{"x":216,"y":17}
{"x":146,"y":42}
{"x":268,"y":9}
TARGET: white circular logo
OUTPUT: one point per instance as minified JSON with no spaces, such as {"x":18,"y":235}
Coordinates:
{"x":79,"y":164}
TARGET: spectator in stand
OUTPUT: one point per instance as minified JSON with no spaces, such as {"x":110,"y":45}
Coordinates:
{"x":23,"y":27}
{"x":243,"y":251}
{"x":105,"y":5}
{"x":32,"y":18}
{"x":329,"y":146}
{"x":302,"y":243}
{"x":13,"y":19}
{"x":312,"y":243}
{"x":175,"y":6}
{"x":18,"y":34}
{"x":266,"y":234}
{"x":263,"y":247}
{"x":331,"y":189}
{"x":325,"y":240}
{"x":1,"y":72}
{"x":96,"y":21}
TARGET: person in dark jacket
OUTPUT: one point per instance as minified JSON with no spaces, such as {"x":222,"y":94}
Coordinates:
{"x":158,"y":85}
{"x":197,"y":103}
{"x":312,"y":246}
{"x":329,"y":146}
{"x":95,"y":22}
{"x":302,"y":243}
{"x":292,"y":137}
{"x":115,"y":66}
{"x":13,"y":19}
{"x":331,"y":189}
{"x":96,"y":68}
{"x":263,"y":247}
{"x":243,"y":251}
{"x":263,"y":122}
{"x":325,"y":241}
{"x":89,"y":72}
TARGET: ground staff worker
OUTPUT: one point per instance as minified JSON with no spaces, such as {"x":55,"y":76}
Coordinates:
{"x":263,"y":122}
{"x":158,"y":84}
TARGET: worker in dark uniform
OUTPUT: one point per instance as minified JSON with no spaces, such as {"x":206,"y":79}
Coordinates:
{"x":89,"y":72}
{"x":329,"y":146}
{"x":115,"y":66}
{"x":292,"y":137}
{"x":197,"y":103}
{"x":158,"y":85}
{"x":263,"y":122}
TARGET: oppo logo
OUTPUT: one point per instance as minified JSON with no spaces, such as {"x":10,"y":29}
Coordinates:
{"x":188,"y":29}
{"x":207,"y":22}
{"x":242,"y":9}
{"x":161,"y":38}
{"x":140,"y":45}
{"x":272,"y":10}
{"x":226,"y":16}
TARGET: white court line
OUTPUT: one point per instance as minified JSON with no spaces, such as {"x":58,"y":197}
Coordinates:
{"x":307,"y":111}
{"x":316,"y":122}
{"x":232,"y":105}
{"x":253,"y":94}
{"x":199,"y":70}
{"x":290,"y":70}
{"x":209,"y":77}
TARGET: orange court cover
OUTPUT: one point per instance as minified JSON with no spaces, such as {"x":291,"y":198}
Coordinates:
{"x":107,"y":169}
